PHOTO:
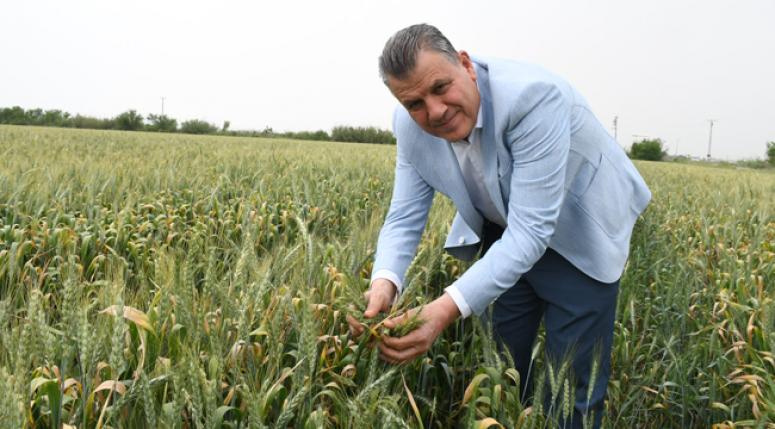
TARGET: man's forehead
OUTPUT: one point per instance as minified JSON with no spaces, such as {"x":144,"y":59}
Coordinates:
{"x":422,"y":78}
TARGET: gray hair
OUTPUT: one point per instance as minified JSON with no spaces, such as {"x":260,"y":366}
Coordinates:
{"x":400,"y":52}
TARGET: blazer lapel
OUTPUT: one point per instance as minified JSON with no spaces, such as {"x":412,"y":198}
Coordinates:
{"x":488,"y":143}
{"x":437,"y":156}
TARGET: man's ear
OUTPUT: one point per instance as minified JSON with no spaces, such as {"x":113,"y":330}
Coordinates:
{"x":465,"y":61}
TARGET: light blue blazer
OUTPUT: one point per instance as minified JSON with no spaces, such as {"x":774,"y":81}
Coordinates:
{"x":553,"y":171}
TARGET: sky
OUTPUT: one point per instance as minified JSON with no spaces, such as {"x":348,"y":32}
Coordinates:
{"x":663,"y":67}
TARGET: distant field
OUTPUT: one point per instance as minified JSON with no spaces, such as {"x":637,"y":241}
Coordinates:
{"x":160,"y":280}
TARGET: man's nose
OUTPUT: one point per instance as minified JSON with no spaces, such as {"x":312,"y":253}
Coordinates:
{"x":436,"y":111}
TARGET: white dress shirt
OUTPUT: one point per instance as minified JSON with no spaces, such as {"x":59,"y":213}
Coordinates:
{"x":469,"y":156}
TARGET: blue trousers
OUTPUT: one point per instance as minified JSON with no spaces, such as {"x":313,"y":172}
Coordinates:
{"x":578,"y":313}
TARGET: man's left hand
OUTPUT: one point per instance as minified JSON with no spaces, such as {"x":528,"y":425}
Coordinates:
{"x":436,"y":317}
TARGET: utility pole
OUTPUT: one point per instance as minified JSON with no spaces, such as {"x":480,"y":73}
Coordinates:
{"x":616,"y":128}
{"x":710,"y":136}
{"x":162,"y":105}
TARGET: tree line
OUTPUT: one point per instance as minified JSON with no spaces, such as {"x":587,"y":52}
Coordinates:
{"x":647,"y":149}
{"x":131,"y":120}
{"x":653,"y":149}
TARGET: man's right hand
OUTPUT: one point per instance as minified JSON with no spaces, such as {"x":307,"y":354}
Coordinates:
{"x":378,"y":299}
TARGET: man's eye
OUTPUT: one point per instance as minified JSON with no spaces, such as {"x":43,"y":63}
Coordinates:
{"x":413,"y":105}
{"x":440,"y":88}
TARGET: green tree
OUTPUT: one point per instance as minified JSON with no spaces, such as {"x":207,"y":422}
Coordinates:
{"x":90,"y":122}
{"x":196,"y":126}
{"x":306,"y":135}
{"x":362,"y":135}
{"x":129,"y":121}
{"x":56,"y":118}
{"x":771,"y":152}
{"x":13,"y":115}
{"x":162,"y":123}
{"x":34,"y":117}
{"x":18,"y":116}
{"x":648,"y":149}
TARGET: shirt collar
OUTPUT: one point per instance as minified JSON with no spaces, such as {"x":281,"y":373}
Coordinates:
{"x":479,"y":120}
{"x":479,"y":116}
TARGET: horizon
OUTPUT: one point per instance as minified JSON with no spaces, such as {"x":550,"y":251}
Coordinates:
{"x":234,"y":132}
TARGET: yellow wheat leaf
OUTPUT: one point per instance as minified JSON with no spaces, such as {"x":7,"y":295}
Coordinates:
{"x":488,"y":422}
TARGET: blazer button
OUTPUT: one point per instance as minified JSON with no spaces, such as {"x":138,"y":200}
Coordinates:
{"x":462,"y":240}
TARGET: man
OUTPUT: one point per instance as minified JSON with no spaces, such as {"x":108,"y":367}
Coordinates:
{"x":540,"y":188}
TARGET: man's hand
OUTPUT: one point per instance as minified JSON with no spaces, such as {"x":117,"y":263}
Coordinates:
{"x":378,"y":299}
{"x":436,"y":316}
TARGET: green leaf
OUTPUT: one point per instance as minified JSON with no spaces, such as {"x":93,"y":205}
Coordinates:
{"x":50,"y":388}
{"x":221,"y":412}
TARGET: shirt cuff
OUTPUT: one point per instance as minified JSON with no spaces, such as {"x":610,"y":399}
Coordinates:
{"x":388,"y":275}
{"x":461,"y":303}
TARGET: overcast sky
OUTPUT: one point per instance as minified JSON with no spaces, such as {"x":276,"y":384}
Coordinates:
{"x":664,"y":67}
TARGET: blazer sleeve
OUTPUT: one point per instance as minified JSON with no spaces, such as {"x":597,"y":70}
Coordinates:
{"x":406,"y":218}
{"x":539,"y":142}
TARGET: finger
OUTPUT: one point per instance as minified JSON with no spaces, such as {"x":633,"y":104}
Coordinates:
{"x":376,"y":304}
{"x":390,"y":323}
{"x":398,"y":356}
{"x":370,"y":305}
{"x":368,"y":313}
{"x":402,"y":343}
{"x":398,"y":320}
{"x":355,"y":326}
{"x":353,"y":322}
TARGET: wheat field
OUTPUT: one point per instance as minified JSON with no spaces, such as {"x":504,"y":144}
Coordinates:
{"x":158,"y":280}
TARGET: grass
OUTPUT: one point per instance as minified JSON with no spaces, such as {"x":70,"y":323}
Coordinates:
{"x":152,"y":280}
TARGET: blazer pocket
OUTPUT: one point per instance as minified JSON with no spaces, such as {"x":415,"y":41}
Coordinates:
{"x":607,"y":199}
{"x":579,"y":174}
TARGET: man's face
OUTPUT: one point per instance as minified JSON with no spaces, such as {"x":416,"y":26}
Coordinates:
{"x":441,"y":96}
